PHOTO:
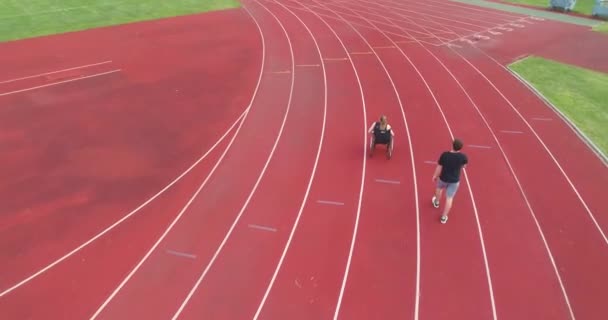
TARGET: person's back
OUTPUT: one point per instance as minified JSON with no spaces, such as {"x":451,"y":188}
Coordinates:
{"x":452,"y":163}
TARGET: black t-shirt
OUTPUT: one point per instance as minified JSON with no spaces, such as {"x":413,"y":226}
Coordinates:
{"x":452,"y":163}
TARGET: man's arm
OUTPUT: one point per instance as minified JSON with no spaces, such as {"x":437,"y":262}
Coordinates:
{"x":437,"y":172}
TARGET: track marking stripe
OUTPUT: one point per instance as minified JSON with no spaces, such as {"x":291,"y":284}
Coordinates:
{"x":335,"y":59}
{"x":388,"y":181}
{"x":281,"y":72}
{"x":181,"y":254}
{"x":430,"y":162}
{"x":58,"y":71}
{"x":362,"y":53}
{"x":479,"y":146}
{"x":255,"y":226}
{"x":335,"y":203}
{"x":510,"y":131}
{"x":542,"y":119}
{"x":60,"y":82}
{"x":308,"y":65}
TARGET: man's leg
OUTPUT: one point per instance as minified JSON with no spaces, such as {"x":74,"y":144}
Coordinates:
{"x":438,"y":191}
{"x":449,"y":200}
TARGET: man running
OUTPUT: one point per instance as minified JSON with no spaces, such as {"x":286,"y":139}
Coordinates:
{"x":447,"y":176}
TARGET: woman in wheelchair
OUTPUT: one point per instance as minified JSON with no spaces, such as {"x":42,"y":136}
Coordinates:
{"x":381,"y":133}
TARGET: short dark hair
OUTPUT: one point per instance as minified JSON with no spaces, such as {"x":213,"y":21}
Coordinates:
{"x":457,"y":144}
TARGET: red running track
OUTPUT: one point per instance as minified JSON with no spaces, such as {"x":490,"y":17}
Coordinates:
{"x":304,"y":225}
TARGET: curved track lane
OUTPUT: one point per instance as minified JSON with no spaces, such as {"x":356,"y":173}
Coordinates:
{"x":252,"y":249}
{"x":213,"y":214}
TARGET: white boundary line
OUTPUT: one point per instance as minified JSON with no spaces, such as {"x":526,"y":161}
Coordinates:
{"x":345,"y":279}
{"x":335,"y":18}
{"x":356,"y":225}
{"x":53,"y":72}
{"x":468,"y":182}
{"x":583,"y":202}
{"x":168,"y":229}
{"x":243,"y":116}
{"x":314,"y":170}
{"x":60,"y":82}
{"x":257,"y":183}
{"x":108,"y":229}
{"x":515,"y":178}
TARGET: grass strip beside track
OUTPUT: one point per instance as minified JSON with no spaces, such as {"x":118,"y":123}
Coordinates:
{"x":25,"y":19}
{"x":603,"y":27}
{"x":582,"y":6}
{"x":580,"y":94}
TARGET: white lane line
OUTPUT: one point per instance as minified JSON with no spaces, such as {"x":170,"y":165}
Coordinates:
{"x":130,"y":214}
{"x":312,"y":175}
{"x":334,"y":203}
{"x":466,"y":179}
{"x":60,"y":82}
{"x":53,"y":72}
{"x":385,"y":47}
{"x":517,"y":181}
{"x":542,"y":142}
{"x":243,"y":116}
{"x":170,"y":227}
{"x":255,"y":226}
{"x":479,"y":146}
{"x":260,"y":177}
{"x":511,"y":131}
{"x":364,"y":159}
{"x":308,"y":65}
{"x":181,"y":254}
{"x":335,"y":59}
{"x":416,"y":200}
{"x":388,"y":181}
{"x":361,"y":53}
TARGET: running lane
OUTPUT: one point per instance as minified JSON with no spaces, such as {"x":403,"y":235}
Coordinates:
{"x":308,"y":279}
{"x":73,"y":288}
{"x":587,"y":172}
{"x":379,"y":279}
{"x":534,"y":292}
{"x":79,"y":156}
{"x":577,"y":244}
{"x":158,"y":284}
{"x":232,"y":286}
{"x":440,"y":269}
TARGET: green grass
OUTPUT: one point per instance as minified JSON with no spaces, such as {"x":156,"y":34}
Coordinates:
{"x":582,"y":6}
{"x":30,"y":18}
{"x":602,"y":27}
{"x":578,"y":93}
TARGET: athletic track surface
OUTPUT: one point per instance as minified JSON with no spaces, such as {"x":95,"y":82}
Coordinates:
{"x":225,"y":175}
